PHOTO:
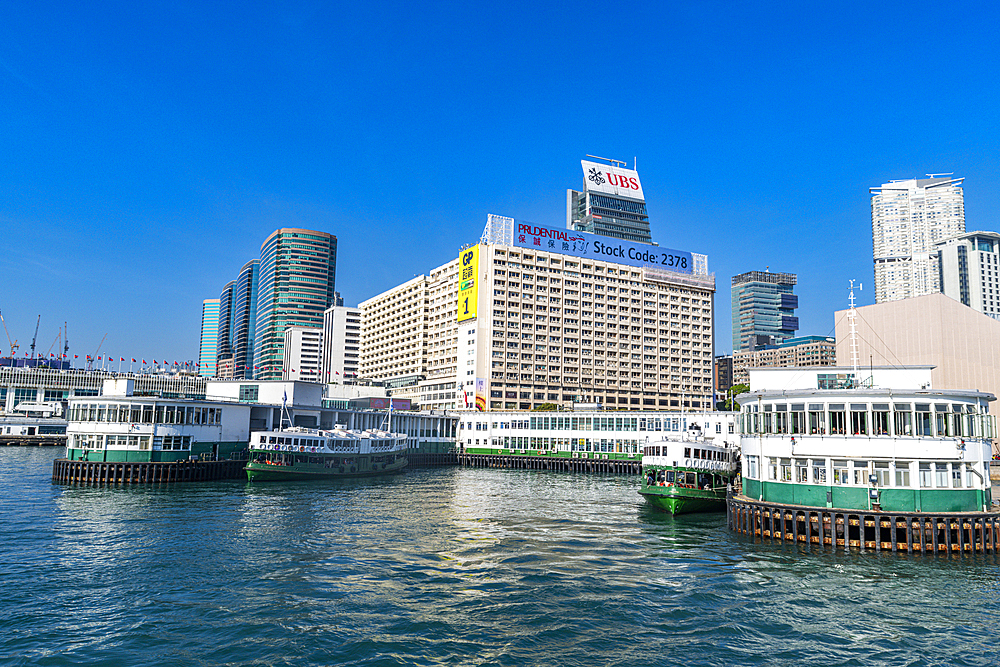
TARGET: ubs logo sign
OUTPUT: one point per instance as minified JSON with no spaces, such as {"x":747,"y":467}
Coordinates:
{"x":596,"y":176}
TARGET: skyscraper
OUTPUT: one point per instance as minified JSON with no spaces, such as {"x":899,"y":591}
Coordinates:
{"x":763,"y":309}
{"x":226,"y":322}
{"x":610,"y":204}
{"x":245,"y":309}
{"x":908,"y":218}
{"x":298,"y":269}
{"x":209,"y":345}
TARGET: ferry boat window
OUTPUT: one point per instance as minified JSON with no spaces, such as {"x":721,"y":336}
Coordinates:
{"x":838,"y":419}
{"x":902,"y":473}
{"x":798,"y":418}
{"x":786,"y":470}
{"x":772,"y":469}
{"x":689,"y":478}
{"x":923,"y":418}
{"x":882,"y":472}
{"x":816,"y":420}
{"x":859,"y":419}
{"x":819,"y":471}
{"x":941,"y":475}
{"x":136,"y":413}
{"x":903,"y":419}
{"x":670,"y":475}
{"x":926,"y":480}
{"x":687,"y":452}
{"x":860,"y":472}
{"x":801,"y":471}
{"x":840,"y":475}
{"x":102,"y":411}
{"x":752,"y":471}
{"x":880,"y":419}
{"x":147,"y":414}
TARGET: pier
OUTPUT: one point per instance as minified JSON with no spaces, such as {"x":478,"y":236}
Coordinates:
{"x":45,"y":439}
{"x":522,"y":462}
{"x":419,"y":460}
{"x":865,"y":530}
{"x":99,"y":473}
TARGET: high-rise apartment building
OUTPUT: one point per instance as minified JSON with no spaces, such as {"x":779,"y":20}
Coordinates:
{"x":302,"y":350}
{"x":610,"y":204}
{"x":209,"y":345}
{"x":535,"y":315}
{"x":909,"y":217}
{"x":341,"y":344}
{"x":298,"y":269}
{"x":763,"y":309}
{"x":970,"y":270}
{"x":226,"y":325}
{"x":245,"y":318}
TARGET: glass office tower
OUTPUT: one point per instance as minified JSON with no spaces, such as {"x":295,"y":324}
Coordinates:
{"x":298,"y":269}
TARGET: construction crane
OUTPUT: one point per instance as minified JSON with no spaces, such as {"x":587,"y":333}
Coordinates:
{"x":90,"y":360}
{"x":57,"y":343}
{"x":35,"y":338}
{"x":66,"y":340}
{"x":13,"y":343}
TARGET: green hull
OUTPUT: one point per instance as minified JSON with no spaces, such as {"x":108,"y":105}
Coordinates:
{"x":679,"y":500}
{"x":263,"y":472}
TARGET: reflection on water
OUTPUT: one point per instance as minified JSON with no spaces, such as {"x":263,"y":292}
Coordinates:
{"x":451,"y":566}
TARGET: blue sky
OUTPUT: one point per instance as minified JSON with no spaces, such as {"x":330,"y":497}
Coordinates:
{"x":149,"y":150}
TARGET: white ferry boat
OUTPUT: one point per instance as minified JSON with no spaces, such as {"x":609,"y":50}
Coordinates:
{"x":302,"y":453}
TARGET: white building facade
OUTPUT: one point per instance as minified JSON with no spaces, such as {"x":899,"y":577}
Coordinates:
{"x":302,"y":351}
{"x":970,"y":270}
{"x":544,"y":324}
{"x":909,"y":217}
{"x":341,"y":344}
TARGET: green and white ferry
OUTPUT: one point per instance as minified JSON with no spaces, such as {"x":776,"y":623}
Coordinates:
{"x":688,"y":475}
{"x":303,"y":453}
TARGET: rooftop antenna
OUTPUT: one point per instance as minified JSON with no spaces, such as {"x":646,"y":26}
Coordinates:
{"x":614,"y":163}
{"x":852,"y":315}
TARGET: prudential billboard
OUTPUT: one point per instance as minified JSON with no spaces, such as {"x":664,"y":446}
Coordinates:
{"x":593,"y":246}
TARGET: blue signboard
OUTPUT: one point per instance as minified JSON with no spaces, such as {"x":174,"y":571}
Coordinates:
{"x":593,"y":246}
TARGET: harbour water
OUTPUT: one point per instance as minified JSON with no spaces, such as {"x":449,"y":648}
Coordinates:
{"x":451,"y":567}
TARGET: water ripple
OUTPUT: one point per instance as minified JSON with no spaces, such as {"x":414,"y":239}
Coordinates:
{"x":450,"y":567}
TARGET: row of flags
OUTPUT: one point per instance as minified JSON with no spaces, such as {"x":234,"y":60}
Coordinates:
{"x":121,"y":360}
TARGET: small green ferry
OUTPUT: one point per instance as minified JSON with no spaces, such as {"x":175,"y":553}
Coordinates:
{"x":301,"y":453}
{"x":688,"y":475}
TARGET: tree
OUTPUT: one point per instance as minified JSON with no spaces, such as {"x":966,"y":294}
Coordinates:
{"x":546,"y":407}
{"x":730,"y":404}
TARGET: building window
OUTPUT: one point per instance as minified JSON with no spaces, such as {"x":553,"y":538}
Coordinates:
{"x":249,"y":393}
